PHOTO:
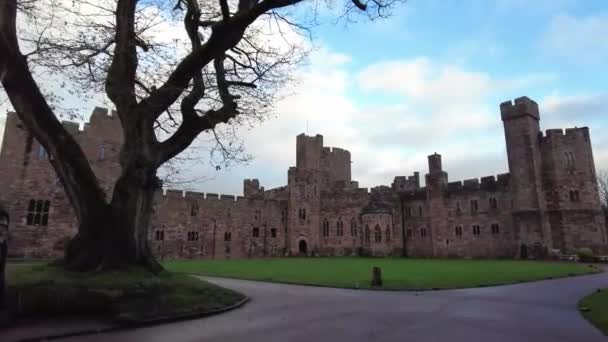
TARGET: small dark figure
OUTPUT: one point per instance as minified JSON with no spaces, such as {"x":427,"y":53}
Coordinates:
{"x":376,"y":277}
{"x":524,"y":252}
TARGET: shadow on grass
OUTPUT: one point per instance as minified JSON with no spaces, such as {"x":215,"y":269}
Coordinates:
{"x":129,"y":295}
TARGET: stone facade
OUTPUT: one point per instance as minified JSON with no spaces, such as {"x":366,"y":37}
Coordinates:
{"x":549,"y":200}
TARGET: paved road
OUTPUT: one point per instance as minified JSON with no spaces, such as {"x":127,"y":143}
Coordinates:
{"x":540,"y":311}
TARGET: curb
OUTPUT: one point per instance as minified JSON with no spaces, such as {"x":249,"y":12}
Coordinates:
{"x":133,"y":324}
{"x":411,"y":290}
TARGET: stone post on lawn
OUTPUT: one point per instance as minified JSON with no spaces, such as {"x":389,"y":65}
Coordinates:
{"x":376,"y":277}
{"x":3,"y":252}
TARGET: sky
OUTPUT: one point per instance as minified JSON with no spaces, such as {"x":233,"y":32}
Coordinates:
{"x":430,"y":79}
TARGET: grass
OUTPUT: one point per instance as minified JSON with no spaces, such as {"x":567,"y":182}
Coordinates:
{"x":132,"y":293}
{"x":398,"y":274}
{"x":595,"y":309}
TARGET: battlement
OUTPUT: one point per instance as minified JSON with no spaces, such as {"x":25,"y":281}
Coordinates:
{"x":487,"y":183}
{"x":72,"y":127}
{"x":558,"y":132}
{"x":472,"y":183}
{"x":336,"y":151}
{"x":201,"y":196}
{"x":195,"y":195}
{"x":558,"y":136}
{"x":403,"y":183}
{"x":521,"y":107}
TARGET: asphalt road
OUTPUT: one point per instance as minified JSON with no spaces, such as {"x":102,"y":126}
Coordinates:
{"x":539,"y":311}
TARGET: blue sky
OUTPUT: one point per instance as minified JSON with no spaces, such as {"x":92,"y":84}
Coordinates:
{"x":430,"y":79}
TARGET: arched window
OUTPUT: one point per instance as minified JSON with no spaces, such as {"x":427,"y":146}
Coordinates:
{"x":388,"y":234}
{"x":353,"y":227}
{"x":377,"y":234}
{"x":339,"y":227}
{"x":325,"y":231}
{"x":367,"y":233}
{"x":227,"y":236}
{"x":194,"y":209}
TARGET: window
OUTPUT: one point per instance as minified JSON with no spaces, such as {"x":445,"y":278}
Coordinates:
{"x":302,"y":213}
{"x":194,"y":209}
{"x":353,"y":227}
{"x":409,"y":233}
{"x":160,"y":235}
{"x":569,"y":160}
{"x":256,"y":232}
{"x":408,"y":212}
{"x":458,"y":230}
{"x":377,"y":234}
{"x":367,"y":233}
{"x":283,"y":216}
{"x":574,"y":196}
{"x":228,"y":236}
{"x":419,"y":210}
{"x":495,"y":228}
{"x":192,"y":236}
{"x":42,"y":153}
{"x":387,"y":234}
{"x":38,"y":213}
{"x":325,"y":229}
{"x":257,"y":214}
{"x":273,"y":232}
{"x":493,"y":203}
{"x":339,"y":228}
{"x":458,"y":210}
{"x":476,"y":230}
{"x":102,"y":152}
{"x":423,"y":232}
{"x":474,"y":206}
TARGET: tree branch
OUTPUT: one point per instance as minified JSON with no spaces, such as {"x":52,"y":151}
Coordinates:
{"x":225,"y":9}
{"x":69,"y":161}
{"x":120,"y":83}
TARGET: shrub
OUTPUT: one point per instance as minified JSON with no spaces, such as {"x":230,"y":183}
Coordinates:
{"x":585,"y":254}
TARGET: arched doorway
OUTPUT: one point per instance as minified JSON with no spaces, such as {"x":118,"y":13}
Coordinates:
{"x":302,"y":248}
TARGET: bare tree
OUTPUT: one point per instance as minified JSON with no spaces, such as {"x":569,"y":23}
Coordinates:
{"x":602,"y":183}
{"x":225,"y":72}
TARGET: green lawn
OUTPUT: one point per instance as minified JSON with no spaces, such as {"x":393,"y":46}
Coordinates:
{"x":132,"y":293}
{"x":397,"y":273}
{"x":595,"y":308}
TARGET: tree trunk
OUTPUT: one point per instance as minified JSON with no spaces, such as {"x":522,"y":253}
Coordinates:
{"x":115,"y":235}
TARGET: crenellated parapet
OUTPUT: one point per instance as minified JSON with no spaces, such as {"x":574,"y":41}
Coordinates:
{"x":522,"y":106}
{"x":487,"y":183}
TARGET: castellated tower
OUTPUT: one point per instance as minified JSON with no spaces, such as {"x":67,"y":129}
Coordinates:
{"x":570,"y":188}
{"x":317,"y":167}
{"x":523,"y":137}
{"x":436,"y":183}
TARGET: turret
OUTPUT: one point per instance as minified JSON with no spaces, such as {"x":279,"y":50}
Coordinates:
{"x":436,"y":179}
{"x":522,"y":135}
{"x":308,"y":151}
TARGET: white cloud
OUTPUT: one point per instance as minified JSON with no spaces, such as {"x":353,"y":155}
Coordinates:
{"x":578,"y":39}
{"x":432,"y":108}
{"x":580,"y":110}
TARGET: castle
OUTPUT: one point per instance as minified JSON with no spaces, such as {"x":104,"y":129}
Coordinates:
{"x":549,"y":199}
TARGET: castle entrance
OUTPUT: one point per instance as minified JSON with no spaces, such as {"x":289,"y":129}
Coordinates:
{"x":302,"y":248}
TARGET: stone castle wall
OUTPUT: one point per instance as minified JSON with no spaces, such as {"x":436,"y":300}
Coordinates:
{"x":549,"y":199}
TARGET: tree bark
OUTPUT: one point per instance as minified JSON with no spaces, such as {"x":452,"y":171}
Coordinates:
{"x":115,"y":235}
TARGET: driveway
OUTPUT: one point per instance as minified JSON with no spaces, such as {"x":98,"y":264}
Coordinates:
{"x":539,"y":311}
